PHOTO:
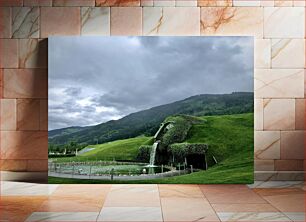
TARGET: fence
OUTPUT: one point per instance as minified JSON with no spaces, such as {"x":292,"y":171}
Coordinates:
{"x":105,"y":170}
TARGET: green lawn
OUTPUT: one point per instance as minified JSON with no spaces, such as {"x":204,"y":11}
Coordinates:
{"x":117,"y":150}
{"x":230,"y":139}
{"x":226,"y":135}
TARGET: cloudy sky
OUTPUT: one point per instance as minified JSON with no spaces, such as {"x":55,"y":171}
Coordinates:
{"x":97,"y":79}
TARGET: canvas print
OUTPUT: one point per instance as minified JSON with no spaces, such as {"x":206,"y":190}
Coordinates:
{"x":151,"y":110}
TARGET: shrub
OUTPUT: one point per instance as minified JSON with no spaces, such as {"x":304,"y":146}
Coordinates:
{"x":143,"y":154}
{"x":177,"y":133}
{"x":60,"y":155}
{"x":181,"y":150}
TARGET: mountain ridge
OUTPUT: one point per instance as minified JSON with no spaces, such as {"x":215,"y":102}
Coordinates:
{"x":146,"y":122}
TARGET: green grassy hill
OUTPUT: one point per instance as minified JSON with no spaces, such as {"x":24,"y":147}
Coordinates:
{"x":230,"y":139}
{"x":117,"y":150}
{"x":226,"y":135}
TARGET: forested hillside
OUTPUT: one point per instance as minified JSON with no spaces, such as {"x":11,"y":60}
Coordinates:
{"x":146,"y":122}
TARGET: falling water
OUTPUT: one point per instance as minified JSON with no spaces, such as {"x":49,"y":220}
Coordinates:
{"x":153,"y":153}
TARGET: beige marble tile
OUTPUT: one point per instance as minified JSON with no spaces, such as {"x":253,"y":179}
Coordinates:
{"x":283,"y":50}
{"x":171,"y":21}
{"x":262,"y":53}
{"x":5,"y":22}
{"x":258,"y":109}
{"x":292,"y":144}
{"x":305,"y":83}
{"x":63,"y":216}
{"x":120,"y":25}
{"x":18,"y":208}
{"x":37,"y":2}
{"x":8,"y":53}
{"x":75,"y":197}
{"x":289,"y":165}
{"x":90,"y":191}
{"x":187,"y":209}
{"x":146,"y":3}
{"x":264,"y":165}
{"x":24,"y":145}
{"x":267,"y":3}
{"x":133,"y":196}
{"x":279,"y":114}
{"x":277,"y":184}
{"x":73,"y":2}
{"x":163,"y":3}
{"x":300,"y":114}
{"x":249,"y":3}
{"x":253,"y":216}
{"x":299,"y":3}
{"x":33,"y":53}
{"x":130,"y":214}
{"x":1,"y":83}
{"x":279,"y":83}
{"x":211,"y":3}
{"x":8,"y":114}
{"x":232,"y":21}
{"x":230,"y":194}
{"x":25,"y":22}
{"x":283,"y":3}
{"x":279,"y":175}
{"x":267,"y":145}
{"x":186,"y":3}
{"x":295,"y":216}
{"x":285,"y":199}
{"x":9,"y":188}
{"x":123,"y":3}
{"x":263,"y":207}
{"x":95,"y":21}
{"x":284,"y":22}
{"x":43,"y":116}
{"x":71,"y":204}
{"x":37,"y":165}
{"x":184,"y":191}
{"x":25,"y":83}
{"x":51,"y":17}
{"x":5,"y":3}
{"x":28,"y":114}
{"x":13,"y":165}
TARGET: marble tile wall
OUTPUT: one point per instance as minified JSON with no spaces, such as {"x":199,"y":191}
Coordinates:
{"x":278,"y":27}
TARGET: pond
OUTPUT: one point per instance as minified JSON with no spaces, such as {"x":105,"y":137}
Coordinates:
{"x":131,"y":169}
{"x":115,"y":169}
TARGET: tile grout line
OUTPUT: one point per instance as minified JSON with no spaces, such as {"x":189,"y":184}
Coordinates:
{"x":161,"y":208}
{"x":111,"y":185}
{"x":35,"y":211}
{"x":278,"y":210}
{"x":267,"y":202}
{"x":209,"y":202}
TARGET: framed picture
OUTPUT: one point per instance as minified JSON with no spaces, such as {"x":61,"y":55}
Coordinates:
{"x":151,"y":109}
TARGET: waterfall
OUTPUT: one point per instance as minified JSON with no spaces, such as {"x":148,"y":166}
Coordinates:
{"x":153,"y":153}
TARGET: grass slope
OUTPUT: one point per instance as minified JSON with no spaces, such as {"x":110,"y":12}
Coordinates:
{"x":226,"y":135}
{"x":230,"y":139}
{"x":119,"y":150}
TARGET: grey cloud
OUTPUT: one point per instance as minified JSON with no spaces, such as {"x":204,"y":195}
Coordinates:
{"x":73,"y":91}
{"x":127,"y":74}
